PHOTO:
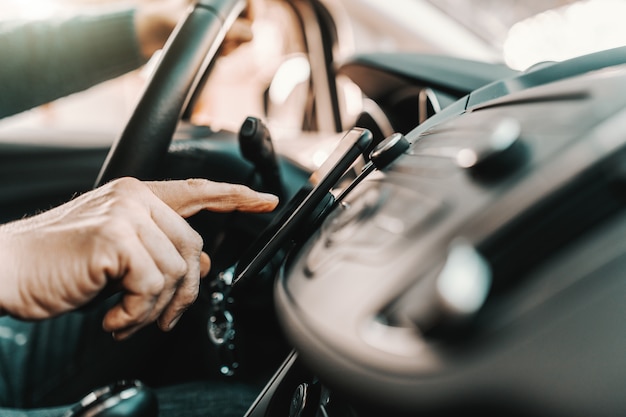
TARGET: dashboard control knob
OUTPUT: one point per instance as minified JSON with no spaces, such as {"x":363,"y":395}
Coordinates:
{"x":449,"y":297}
{"x":500,"y":153}
{"x":464,"y":282}
{"x":298,"y":400}
{"x":388,"y":150}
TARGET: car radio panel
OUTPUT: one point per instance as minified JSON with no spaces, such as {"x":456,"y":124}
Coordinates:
{"x":487,"y":201}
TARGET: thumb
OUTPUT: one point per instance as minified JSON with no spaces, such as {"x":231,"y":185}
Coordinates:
{"x":205,"y":264}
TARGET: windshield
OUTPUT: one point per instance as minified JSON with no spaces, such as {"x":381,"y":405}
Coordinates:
{"x":520,"y":33}
{"x":526,"y":32}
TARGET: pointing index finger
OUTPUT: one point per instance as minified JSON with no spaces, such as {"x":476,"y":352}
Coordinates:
{"x":188,"y":197}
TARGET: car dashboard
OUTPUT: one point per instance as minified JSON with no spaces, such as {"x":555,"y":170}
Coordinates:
{"x":481,"y":271}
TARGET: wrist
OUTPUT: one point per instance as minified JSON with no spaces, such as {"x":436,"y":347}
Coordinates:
{"x":7,"y":270}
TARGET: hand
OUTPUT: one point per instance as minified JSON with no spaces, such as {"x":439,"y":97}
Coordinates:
{"x":155,"y":20}
{"x":127,"y":232}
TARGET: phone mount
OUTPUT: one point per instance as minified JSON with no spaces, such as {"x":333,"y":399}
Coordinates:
{"x":293,"y":223}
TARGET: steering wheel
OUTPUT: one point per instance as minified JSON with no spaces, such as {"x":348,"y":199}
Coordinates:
{"x":186,"y":57}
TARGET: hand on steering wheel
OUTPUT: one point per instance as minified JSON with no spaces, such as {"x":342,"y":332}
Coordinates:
{"x":155,"y":21}
{"x":185,"y":60}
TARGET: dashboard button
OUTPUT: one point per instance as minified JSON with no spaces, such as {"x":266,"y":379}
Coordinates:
{"x":389,"y":150}
{"x":499,"y":153}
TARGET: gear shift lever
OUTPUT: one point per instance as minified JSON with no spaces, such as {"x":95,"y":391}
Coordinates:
{"x":256,"y":146}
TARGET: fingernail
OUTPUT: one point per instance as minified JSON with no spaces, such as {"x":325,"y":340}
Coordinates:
{"x":268,"y":197}
{"x":117,"y":336}
{"x":174,"y":322}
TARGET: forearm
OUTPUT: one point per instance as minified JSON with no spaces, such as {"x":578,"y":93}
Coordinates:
{"x":43,"y":61}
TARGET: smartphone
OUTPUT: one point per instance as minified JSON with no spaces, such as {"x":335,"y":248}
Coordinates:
{"x":300,"y":208}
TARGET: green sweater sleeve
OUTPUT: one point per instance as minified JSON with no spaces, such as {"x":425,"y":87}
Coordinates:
{"x":42,"y":61}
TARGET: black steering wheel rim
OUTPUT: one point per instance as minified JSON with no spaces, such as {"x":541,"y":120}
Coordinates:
{"x":186,"y":56}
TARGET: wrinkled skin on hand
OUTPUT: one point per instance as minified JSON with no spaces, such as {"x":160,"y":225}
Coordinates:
{"x":128,"y":232}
